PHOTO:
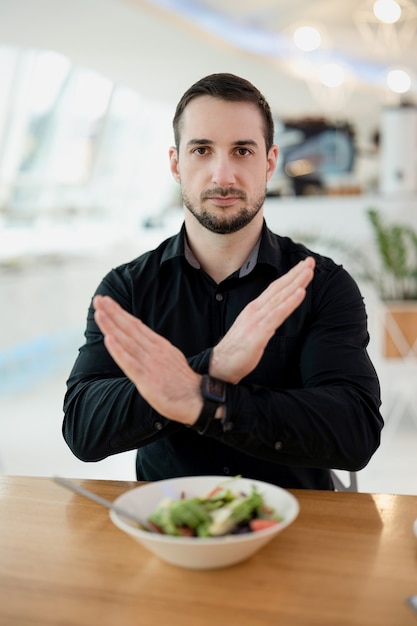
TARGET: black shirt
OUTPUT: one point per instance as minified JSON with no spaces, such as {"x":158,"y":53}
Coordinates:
{"x":311,"y":404}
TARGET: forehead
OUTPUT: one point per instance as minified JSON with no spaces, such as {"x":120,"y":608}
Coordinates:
{"x":212,"y":118}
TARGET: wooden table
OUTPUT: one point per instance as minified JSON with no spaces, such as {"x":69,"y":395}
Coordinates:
{"x":349,"y":559}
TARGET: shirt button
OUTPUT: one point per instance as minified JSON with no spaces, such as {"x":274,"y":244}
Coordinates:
{"x":158,"y":425}
{"x":278,"y":445}
{"x":228,"y":426}
{"x":226,"y":470}
{"x":219,"y":297}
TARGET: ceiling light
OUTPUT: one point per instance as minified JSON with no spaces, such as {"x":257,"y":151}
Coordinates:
{"x":387,"y":26}
{"x":307,"y":38}
{"x":388,"y":11}
{"x":331,"y":75}
{"x":399,"y":81}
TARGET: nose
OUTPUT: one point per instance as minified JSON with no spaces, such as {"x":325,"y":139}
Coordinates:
{"x":223,"y":171}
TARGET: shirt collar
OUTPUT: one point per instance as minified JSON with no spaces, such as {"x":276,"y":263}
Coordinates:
{"x":246,"y":268}
{"x":266,"y":250}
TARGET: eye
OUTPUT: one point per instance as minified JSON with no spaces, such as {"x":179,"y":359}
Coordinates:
{"x":243,"y":152}
{"x":200,"y":150}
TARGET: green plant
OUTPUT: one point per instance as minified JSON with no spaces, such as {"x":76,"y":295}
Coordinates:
{"x":396,"y":245}
{"x":390,"y":266}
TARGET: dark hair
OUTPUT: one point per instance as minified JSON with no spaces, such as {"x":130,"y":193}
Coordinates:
{"x":231,"y":88}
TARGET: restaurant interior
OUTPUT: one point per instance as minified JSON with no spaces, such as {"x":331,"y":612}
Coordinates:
{"x":87,"y":94}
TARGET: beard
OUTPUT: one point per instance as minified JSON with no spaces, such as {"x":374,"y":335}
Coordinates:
{"x":226,"y":224}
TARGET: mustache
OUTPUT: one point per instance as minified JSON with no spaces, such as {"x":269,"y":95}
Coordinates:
{"x":223,"y":193}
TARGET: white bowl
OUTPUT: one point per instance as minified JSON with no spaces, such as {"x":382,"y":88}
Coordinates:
{"x":196,"y":552}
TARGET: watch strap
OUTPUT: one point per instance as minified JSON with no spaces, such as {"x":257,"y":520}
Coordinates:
{"x":213,"y":391}
{"x":206,"y":416}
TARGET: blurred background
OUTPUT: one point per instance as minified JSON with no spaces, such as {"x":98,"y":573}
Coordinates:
{"x":87,"y":93}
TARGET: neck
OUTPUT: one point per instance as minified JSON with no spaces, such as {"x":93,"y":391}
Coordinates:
{"x":221,"y":255}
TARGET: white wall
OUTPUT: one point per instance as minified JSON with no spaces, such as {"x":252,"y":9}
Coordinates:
{"x":338,"y":216}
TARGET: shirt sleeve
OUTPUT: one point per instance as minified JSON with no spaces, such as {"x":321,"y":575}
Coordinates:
{"x":332,"y":419}
{"x":103,"y":412}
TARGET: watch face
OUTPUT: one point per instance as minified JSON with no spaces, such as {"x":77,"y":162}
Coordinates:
{"x":214,"y":389}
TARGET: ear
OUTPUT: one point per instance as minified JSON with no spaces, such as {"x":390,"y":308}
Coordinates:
{"x":271,"y":161}
{"x":173,"y":159}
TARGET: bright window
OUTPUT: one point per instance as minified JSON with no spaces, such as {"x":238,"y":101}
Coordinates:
{"x":72,"y":142}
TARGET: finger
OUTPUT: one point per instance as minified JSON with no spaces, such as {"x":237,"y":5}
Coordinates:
{"x":121,"y":356}
{"x":282,"y":297}
{"x":131,"y":343}
{"x":114,"y":320}
{"x":276,"y":315}
{"x":109,"y":323}
{"x":110,"y":306}
{"x":299,"y":276}
{"x":122,"y":336}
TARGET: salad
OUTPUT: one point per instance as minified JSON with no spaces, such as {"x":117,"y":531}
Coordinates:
{"x":219,"y":512}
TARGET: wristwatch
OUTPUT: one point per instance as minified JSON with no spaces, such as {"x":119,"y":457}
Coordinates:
{"x":213,"y":391}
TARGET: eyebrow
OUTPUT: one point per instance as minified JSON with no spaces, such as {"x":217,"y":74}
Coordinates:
{"x":205,"y":142}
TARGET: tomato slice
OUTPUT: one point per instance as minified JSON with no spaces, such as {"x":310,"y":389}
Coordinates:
{"x":214,"y":491}
{"x":155,"y":528}
{"x":185,"y":531}
{"x":261,"y":524}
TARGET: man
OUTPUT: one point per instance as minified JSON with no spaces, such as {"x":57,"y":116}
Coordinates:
{"x":228,"y":349}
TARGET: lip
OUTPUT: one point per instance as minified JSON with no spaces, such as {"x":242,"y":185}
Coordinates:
{"x":227,"y":201}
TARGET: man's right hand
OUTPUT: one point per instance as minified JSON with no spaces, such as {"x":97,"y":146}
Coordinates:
{"x":241,"y":349}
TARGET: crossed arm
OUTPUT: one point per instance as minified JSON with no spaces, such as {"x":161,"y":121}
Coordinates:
{"x":160,"y":371}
